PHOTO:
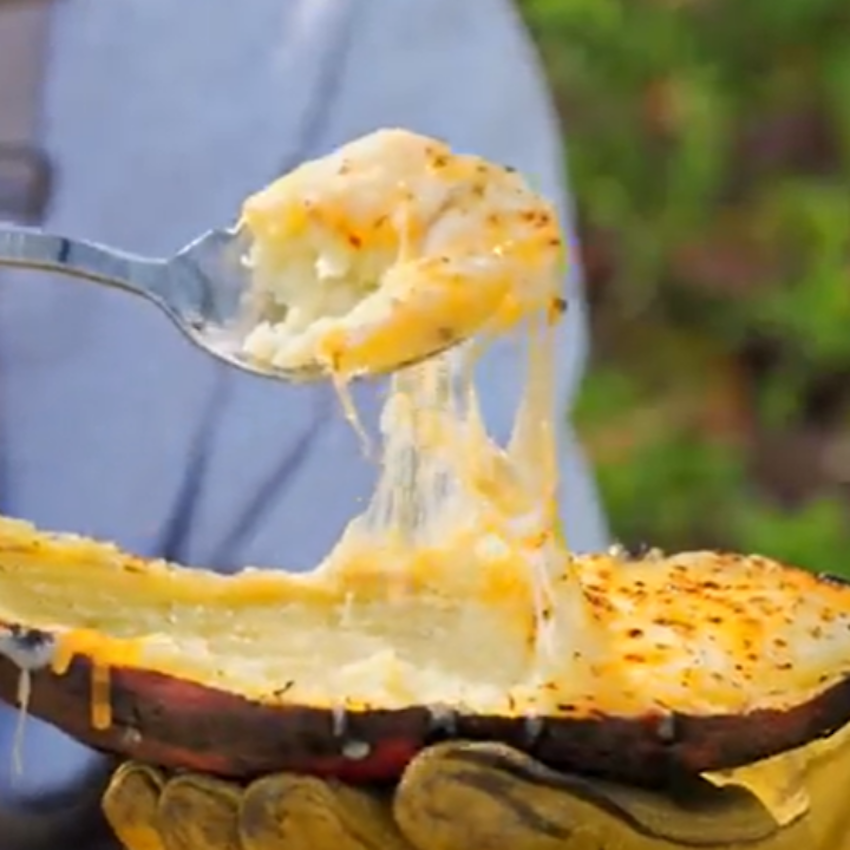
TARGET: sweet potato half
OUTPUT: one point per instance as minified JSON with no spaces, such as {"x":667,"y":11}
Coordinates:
{"x":654,"y":666}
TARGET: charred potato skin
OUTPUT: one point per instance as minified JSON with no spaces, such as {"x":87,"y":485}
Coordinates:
{"x":184,"y":725}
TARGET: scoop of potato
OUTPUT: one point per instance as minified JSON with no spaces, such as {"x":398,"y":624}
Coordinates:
{"x":390,"y":250}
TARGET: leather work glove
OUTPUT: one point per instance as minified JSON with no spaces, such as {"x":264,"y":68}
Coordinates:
{"x":482,"y":797}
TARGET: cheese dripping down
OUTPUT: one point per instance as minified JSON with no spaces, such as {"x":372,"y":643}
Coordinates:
{"x":85,"y":643}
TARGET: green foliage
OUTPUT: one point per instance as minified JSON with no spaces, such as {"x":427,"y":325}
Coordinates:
{"x":814,"y":535}
{"x":709,"y":149}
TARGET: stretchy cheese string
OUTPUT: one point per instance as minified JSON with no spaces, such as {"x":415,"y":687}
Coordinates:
{"x":446,"y":485}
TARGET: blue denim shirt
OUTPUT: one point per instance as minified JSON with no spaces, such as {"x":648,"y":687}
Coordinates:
{"x":161,"y":118}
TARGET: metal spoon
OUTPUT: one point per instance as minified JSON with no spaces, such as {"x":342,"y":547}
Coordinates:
{"x":202,"y":288}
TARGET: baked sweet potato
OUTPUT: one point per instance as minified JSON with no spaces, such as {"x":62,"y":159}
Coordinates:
{"x":657,"y":665}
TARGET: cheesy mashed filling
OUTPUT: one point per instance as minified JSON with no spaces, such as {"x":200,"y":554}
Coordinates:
{"x":389,"y":250}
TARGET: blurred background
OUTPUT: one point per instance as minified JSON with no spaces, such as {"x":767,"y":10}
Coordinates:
{"x":709,"y":150}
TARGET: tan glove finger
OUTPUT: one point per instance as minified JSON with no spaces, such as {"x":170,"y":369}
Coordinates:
{"x":304,"y":813}
{"x":199,"y":813}
{"x":487,"y":796}
{"x":130,"y":806}
{"x":828,"y":778}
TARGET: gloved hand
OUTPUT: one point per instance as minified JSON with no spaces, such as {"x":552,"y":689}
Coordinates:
{"x":475,"y":797}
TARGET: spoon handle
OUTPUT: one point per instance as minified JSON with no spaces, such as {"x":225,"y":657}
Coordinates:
{"x":27,"y":247}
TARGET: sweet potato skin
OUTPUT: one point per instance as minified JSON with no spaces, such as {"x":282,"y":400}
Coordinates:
{"x":180,"y":724}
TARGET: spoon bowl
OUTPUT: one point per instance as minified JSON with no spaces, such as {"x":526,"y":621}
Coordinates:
{"x":203,"y":288}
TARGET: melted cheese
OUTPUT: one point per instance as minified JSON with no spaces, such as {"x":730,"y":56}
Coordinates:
{"x":24,"y":695}
{"x":101,"y":697}
{"x":87,"y":643}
